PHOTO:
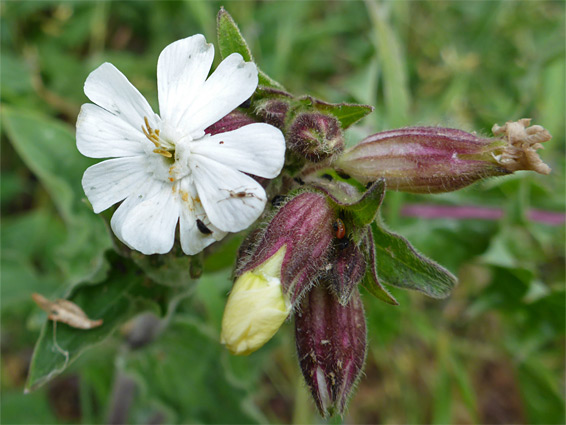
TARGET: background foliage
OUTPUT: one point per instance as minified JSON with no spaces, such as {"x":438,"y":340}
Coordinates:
{"x":493,"y":352}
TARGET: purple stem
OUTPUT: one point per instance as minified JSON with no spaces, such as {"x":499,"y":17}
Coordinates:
{"x":472,"y":212}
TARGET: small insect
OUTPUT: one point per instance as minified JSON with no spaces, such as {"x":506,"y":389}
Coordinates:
{"x":277,"y":200}
{"x":339,"y":228}
{"x":241,"y":194}
{"x":342,"y":244}
{"x":202,"y":227}
{"x":247,"y":103}
{"x":299,"y":180}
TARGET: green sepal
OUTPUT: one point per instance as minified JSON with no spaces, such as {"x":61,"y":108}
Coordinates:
{"x":171,"y":269}
{"x":230,"y":40}
{"x":346,"y":113}
{"x":400,"y":264}
{"x":370,"y":280}
{"x":360,"y":208}
{"x":116,"y":299}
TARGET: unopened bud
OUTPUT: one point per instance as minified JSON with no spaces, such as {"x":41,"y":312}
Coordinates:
{"x":282,"y":263}
{"x":331,"y":346}
{"x":273,"y":111}
{"x":315,"y":136}
{"x":304,"y":226}
{"x":348,"y":268}
{"x":435,"y":159}
{"x":256,"y":307}
{"x":230,"y":122}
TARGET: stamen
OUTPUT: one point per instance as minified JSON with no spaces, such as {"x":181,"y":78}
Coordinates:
{"x":153,"y":136}
{"x":163,"y":152}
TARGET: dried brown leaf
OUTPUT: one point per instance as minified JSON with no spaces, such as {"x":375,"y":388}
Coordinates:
{"x":65,"y":311}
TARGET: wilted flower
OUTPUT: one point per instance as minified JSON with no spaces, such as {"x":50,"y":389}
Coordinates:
{"x":434,"y":159}
{"x":165,"y":168}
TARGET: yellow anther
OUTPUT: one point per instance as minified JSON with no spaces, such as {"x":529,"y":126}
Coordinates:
{"x":152,"y":135}
{"x":163,"y":152}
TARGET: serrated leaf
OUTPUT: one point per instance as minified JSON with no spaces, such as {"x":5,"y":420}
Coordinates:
{"x":346,"y":113}
{"x":230,"y":40}
{"x":399,"y":264}
{"x":114,"y":301}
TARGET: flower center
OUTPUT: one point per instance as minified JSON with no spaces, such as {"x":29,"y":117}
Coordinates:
{"x":173,"y":149}
{"x":153,"y":136}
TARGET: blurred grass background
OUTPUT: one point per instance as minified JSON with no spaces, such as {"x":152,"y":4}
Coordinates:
{"x":491,"y":353}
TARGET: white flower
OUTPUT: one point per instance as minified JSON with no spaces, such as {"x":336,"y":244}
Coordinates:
{"x":165,"y":169}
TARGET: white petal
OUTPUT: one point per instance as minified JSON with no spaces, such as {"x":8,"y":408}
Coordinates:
{"x":101,"y":134}
{"x":232,"y":200}
{"x":119,"y":216}
{"x":182,"y":69}
{"x":233,"y":82}
{"x":193,"y":240}
{"x":110,"y":89}
{"x":257,"y":149}
{"x":146,"y":222}
{"x":114,"y":180}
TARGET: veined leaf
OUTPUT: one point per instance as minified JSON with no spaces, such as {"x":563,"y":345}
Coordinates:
{"x":230,"y":40}
{"x":48,"y":148}
{"x":114,"y":301}
{"x":346,"y":113}
{"x":399,"y":264}
{"x":370,"y":280}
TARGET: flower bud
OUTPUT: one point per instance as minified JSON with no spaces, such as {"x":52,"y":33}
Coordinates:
{"x":434,"y":159}
{"x":230,"y":122}
{"x":315,"y":136}
{"x":281,"y":264}
{"x":348,"y":268}
{"x":304,"y":226}
{"x":331,"y":346}
{"x":273,"y":111}
{"x":256,"y":307}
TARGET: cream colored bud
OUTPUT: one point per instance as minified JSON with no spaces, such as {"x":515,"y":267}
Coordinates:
{"x":256,"y":307}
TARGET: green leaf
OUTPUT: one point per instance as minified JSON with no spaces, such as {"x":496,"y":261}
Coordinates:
{"x":171,"y":269}
{"x":346,"y":113}
{"x":48,"y":148}
{"x":230,"y":40}
{"x":184,"y":372}
{"x":370,"y":280}
{"x":19,"y":408}
{"x":365,"y":210}
{"x":114,"y":301}
{"x":361,"y":208}
{"x":399,"y":264}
